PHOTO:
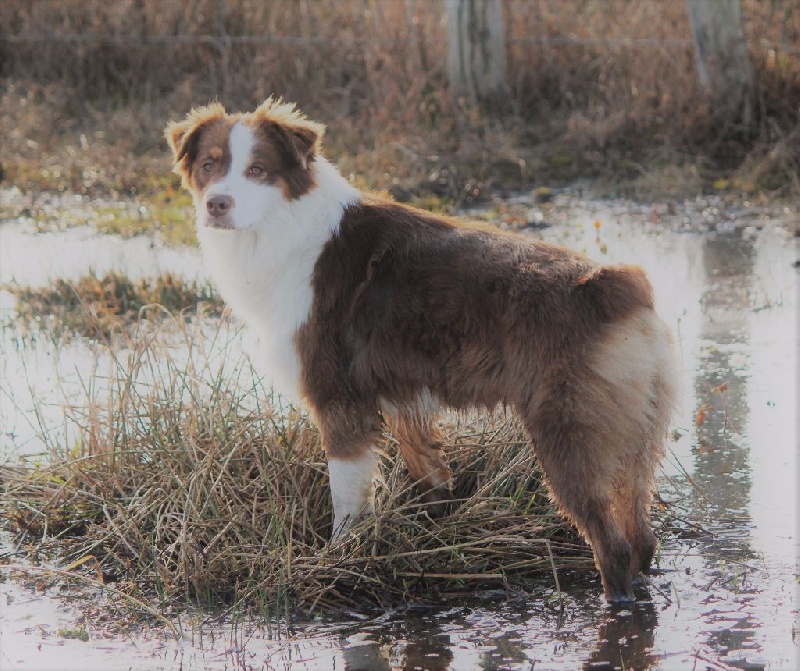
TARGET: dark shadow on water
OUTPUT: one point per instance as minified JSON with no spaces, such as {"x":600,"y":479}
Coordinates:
{"x":366,"y":657}
{"x":505,"y":637}
{"x":625,"y":639}
{"x":428,"y":646}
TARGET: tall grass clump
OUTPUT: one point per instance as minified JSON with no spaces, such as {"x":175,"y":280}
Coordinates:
{"x":99,"y":307}
{"x":189,"y":483}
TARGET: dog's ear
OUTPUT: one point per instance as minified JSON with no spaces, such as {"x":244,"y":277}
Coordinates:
{"x":183,"y":136}
{"x":300,"y":144}
{"x":298,"y":138}
{"x":176,"y":134}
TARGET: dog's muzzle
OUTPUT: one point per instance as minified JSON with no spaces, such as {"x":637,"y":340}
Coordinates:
{"x":218,"y":212}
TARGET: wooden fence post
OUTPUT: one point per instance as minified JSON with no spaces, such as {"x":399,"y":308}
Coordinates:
{"x":476,"y":58}
{"x":723,"y":61}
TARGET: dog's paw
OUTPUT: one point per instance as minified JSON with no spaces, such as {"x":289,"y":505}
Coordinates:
{"x":439,"y":501}
{"x":343,"y":526}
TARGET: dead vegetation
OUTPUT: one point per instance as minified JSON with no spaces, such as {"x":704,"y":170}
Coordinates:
{"x":184,"y":486}
{"x":604,"y":90}
{"x":99,"y":307}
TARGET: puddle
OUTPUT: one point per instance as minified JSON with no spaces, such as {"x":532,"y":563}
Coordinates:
{"x":37,"y":258}
{"x":727,"y":596}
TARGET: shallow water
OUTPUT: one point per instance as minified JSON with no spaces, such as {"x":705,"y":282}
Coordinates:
{"x":727,"y":593}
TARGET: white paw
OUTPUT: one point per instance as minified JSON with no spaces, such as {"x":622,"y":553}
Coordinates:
{"x":352,"y":490}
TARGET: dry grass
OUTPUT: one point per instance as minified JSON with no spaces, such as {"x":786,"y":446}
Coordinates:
{"x":597,"y":89}
{"x":186,"y":485}
{"x":99,"y":307}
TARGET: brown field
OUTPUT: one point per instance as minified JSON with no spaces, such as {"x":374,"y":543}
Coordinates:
{"x":599,"y":90}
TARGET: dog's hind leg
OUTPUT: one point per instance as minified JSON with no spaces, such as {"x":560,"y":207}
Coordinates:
{"x":644,"y":541}
{"x":631,"y":509}
{"x":582,"y":452}
{"x":420,"y":443}
{"x":633,"y":500}
{"x":598,"y":427}
{"x":582,"y":486}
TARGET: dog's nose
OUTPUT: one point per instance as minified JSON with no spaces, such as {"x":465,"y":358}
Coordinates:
{"x":219,"y":206}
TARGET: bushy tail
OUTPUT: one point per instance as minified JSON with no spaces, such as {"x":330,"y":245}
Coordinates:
{"x":614,"y":292}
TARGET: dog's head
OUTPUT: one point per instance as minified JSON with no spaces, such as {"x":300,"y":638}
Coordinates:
{"x":238,"y":167}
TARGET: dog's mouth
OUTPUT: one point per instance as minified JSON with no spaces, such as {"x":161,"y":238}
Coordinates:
{"x":220,"y":223}
{"x":225,"y":224}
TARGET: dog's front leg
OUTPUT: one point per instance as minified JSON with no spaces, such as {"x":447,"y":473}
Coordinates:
{"x":352,"y":489}
{"x":349,"y":431}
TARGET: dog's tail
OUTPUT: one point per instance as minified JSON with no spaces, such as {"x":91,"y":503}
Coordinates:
{"x":614,"y":292}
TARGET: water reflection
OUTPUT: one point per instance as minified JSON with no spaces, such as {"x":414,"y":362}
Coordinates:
{"x":625,"y":639}
{"x":428,"y":646}
{"x":519,"y":635}
{"x":418,"y":641}
{"x":722,"y":450}
{"x":365,"y":656}
{"x":721,"y":463}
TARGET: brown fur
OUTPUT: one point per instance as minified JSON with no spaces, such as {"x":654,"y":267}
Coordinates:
{"x":412,"y":311}
{"x":406,"y":301}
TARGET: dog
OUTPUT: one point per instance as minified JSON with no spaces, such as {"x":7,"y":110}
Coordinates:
{"x":372,"y":312}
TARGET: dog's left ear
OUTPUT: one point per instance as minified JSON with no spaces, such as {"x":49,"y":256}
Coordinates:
{"x":298,"y":138}
{"x":182,"y":136}
{"x":300,"y":143}
{"x":174,"y":134}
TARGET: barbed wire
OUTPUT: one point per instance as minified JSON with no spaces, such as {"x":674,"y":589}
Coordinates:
{"x":222,"y":39}
{"x":298,"y":40}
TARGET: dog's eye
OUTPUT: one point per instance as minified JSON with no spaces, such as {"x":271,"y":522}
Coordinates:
{"x":208,"y":166}
{"x":256,"y":169}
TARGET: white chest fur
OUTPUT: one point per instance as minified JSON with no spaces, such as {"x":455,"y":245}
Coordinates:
{"x":265,"y":273}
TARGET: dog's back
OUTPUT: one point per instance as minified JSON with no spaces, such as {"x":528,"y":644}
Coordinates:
{"x":412,"y":300}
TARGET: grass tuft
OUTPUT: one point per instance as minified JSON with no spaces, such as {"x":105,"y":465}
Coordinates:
{"x":97,"y":307}
{"x":187,"y":488}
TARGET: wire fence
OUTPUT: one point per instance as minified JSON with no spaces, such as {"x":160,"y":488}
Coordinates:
{"x":769,"y":25}
{"x":382,"y":50}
